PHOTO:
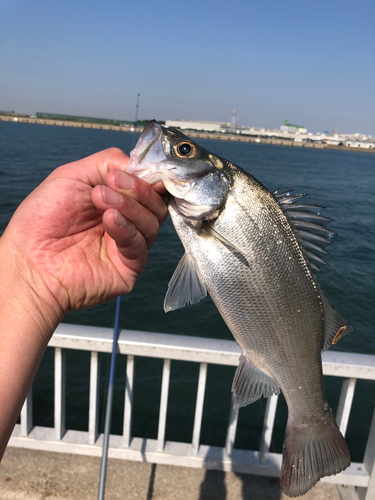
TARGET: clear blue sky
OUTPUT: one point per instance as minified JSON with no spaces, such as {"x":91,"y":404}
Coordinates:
{"x":312,"y":62}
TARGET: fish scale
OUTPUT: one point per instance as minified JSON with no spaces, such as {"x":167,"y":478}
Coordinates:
{"x":241,"y":291}
{"x":246,"y":251}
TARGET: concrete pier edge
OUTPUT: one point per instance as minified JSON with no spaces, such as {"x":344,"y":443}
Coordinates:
{"x":40,"y":475}
{"x":196,"y":135}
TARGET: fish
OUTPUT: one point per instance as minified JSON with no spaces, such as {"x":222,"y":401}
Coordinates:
{"x":257,"y":254}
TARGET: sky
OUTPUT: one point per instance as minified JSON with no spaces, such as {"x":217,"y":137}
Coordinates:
{"x":311,"y":62}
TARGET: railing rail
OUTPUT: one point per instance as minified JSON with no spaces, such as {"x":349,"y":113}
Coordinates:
{"x":203,"y":351}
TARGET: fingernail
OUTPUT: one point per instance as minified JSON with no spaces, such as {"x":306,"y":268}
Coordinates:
{"x":119,"y":219}
{"x":111,"y":197}
{"x":123,"y":180}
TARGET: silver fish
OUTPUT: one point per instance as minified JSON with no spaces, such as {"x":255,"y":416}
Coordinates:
{"x":256,"y":253}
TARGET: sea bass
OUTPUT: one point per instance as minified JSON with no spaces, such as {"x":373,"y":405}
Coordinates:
{"x":256,"y":253}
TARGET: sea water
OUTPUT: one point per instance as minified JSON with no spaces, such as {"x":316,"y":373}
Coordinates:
{"x":342,"y":181}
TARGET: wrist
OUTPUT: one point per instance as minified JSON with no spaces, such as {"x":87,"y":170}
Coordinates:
{"x":28,"y":319}
{"x":24,"y":294}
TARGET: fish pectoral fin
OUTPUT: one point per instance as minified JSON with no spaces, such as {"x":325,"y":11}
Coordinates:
{"x":212,"y":232}
{"x":185,"y":286}
{"x":250,"y":384}
{"x":231,"y":247}
{"x":335,"y":325}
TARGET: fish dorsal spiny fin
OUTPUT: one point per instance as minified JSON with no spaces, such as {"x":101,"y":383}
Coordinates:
{"x":309,"y":225}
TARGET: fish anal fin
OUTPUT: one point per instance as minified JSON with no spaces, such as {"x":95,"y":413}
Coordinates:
{"x":335,"y":325}
{"x":312,"y":450}
{"x":250,"y":383}
{"x":185,"y":286}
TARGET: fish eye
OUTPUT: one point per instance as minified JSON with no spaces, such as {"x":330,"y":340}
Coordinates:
{"x":185,"y":150}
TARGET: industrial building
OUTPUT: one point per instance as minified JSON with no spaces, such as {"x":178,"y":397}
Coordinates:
{"x":196,"y":125}
{"x":289,"y":128}
{"x":84,"y":119}
{"x":204,"y":126}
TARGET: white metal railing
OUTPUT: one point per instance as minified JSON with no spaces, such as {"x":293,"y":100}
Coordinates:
{"x":168,"y":347}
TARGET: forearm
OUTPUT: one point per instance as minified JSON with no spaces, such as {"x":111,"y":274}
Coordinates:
{"x":28,"y":318}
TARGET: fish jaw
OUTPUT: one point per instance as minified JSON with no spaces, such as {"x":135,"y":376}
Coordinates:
{"x":152,"y":161}
{"x":146,"y":157}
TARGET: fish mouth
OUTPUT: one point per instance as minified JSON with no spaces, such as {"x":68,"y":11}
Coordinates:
{"x":150,"y":134}
{"x":147,"y":154}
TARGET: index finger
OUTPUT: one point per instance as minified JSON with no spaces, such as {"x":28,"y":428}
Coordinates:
{"x":139,"y":190}
{"x":93,"y":169}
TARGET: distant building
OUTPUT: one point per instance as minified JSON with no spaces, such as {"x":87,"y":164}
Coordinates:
{"x":196,"y":125}
{"x":368,"y":144}
{"x":332,"y":142}
{"x":84,"y":119}
{"x":289,"y":128}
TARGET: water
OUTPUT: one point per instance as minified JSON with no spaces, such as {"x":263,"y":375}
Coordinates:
{"x":342,"y":181}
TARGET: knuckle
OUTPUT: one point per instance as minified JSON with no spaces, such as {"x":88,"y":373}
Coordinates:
{"x":113,"y":151}
{"x":139,"y":187}
{"x":154,"y":225}
{"x":152,"y":230}
{"x":128,"y":238}
{"x":164,"y":212}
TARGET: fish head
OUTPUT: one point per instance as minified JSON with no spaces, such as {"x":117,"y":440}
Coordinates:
{"x":192,"y":175}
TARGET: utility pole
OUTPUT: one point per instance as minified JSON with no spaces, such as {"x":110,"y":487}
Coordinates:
{"x":136,"y":111}
{"x":233,"y":122}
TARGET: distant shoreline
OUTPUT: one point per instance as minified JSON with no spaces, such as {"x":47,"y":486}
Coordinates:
{"x":196,"y":135}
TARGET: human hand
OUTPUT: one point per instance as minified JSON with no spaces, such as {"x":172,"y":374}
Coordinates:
{"x":82,"y":236}
{"x":79,"y":239}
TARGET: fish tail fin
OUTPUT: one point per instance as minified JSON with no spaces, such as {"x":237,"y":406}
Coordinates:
{"x":311,"y":452}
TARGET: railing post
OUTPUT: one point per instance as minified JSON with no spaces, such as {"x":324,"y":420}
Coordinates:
{"x":94,"y":397}
{"x":163,"y":403}
{"x":268,"y":423}
{"x":27,"y":414}
{"x":128,"y":401}
{"x":60,"y":371}
{"x":232,"y":428}
{"x":368,"y":462}
{"x":199,"y":407}
{"x":345,"y":404}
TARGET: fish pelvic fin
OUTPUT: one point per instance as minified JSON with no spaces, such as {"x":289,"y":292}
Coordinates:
{"x":311,"y":451}
{"x":335,"y":325}
{"x":185,"y":287}
{"x":250,"y":384}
